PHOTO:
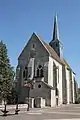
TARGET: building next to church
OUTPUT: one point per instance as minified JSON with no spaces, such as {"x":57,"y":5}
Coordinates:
{"x":45,"y":66}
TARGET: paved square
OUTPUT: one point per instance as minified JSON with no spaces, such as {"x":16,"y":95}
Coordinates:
{"x":65,"y":112}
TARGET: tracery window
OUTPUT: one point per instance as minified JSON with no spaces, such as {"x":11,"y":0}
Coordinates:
{"x":39,"y":71}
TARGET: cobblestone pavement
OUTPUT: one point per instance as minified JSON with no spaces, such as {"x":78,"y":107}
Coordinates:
{"x":65,"y":112}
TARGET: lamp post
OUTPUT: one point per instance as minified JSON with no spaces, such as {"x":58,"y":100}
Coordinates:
{"x":29,"y":86}
{"x":28,"y":98}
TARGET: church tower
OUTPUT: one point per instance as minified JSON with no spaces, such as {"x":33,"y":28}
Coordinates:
{"x":55,"y":42}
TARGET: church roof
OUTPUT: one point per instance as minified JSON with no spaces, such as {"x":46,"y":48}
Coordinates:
{"x":54,"y":54}
{"x":65,"y":63}
{"x":49,"y":86}
{"x":50,"y":50}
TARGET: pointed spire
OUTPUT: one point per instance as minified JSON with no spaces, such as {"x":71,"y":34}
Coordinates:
{"x":56,"y":30}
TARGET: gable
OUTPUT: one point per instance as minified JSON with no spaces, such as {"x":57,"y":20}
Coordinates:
{"x":45,"y":85}
{"x":34,"y":46}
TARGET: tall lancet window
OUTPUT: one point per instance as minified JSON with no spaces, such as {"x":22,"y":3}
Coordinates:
{"x":25,"y":73}
{"x":54,"y":75}
{"x":39,"y":71}
{"x":57,"y":92}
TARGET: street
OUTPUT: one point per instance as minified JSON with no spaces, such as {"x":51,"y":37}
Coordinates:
{"x":64,"y":112}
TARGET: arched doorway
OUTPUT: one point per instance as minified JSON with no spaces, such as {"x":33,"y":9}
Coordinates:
{"x":35,"y":103}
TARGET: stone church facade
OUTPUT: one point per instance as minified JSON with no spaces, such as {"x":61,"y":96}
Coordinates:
{"x":44,"y":77}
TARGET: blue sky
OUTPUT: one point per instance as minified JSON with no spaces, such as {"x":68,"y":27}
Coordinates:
{"x":19,"y":18}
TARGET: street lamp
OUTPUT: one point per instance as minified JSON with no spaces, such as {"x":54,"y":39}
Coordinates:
{"x":29,"y":85}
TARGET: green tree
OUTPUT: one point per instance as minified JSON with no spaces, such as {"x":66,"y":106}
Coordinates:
{"x":12,"y":96}
{"x":6,"y":72}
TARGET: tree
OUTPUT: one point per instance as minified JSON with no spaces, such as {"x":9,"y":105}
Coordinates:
{"x":6,"y":72}
{"x":11,"y":98}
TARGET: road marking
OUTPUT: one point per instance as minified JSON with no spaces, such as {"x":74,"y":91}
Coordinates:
{"x":77,"y":107}
{"x":64,"y":119}
{"x":65,"y":113}
{"x":69,"y":110}
{"x":34,"y":113}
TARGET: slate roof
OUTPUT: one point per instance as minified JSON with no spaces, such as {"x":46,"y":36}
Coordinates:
{"x":51,"y":50}
{"x":65,"y":63}
{"x":54,"y":54}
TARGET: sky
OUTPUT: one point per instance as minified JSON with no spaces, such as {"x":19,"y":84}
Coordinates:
{"x":20,"y":18}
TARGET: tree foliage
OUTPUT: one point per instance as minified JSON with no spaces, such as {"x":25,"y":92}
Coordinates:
{"x":6,"y":72}
{"x":11,"y":98}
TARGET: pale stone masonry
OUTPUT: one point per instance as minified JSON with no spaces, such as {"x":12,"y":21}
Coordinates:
{"x":44,"y":66}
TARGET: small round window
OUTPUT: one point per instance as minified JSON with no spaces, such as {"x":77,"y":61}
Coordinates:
{"x":39,"y":86}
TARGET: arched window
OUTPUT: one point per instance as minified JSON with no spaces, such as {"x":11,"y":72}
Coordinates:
{"x":54,"y":75}
{"x":25,"y":73}
{"x":39,"y":71}
{"x":57,"y":92}
{"x":56,"y":44}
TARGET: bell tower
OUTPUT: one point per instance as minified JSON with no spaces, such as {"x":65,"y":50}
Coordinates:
{"x":55,"y":42}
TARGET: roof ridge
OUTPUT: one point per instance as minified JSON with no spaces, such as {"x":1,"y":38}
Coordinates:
{"x":48,"y":47}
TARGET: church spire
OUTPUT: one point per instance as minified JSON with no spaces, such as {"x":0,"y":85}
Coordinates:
{"x":56,"y":30}
{"x":55,"y":43}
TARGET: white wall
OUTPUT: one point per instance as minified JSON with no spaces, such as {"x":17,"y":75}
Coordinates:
{"x":32,"y":102}
{"x":73,"y":76}
{"x":50,"y":71}
{"x":53,"y":98}
{"x":50,"y":77}
{"x":42,"y":102}
{"x":68,"y":85}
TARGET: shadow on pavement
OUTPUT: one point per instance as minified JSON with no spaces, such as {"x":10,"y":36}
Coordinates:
{"x":10,"y":114}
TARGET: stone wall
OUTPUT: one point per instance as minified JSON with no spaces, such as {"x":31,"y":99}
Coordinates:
{"x":34,"y":48}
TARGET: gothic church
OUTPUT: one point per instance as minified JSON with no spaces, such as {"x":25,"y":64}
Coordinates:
{"x":51,"y":77}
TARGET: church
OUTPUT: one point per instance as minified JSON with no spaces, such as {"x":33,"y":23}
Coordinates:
{"x":44,"y":77}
